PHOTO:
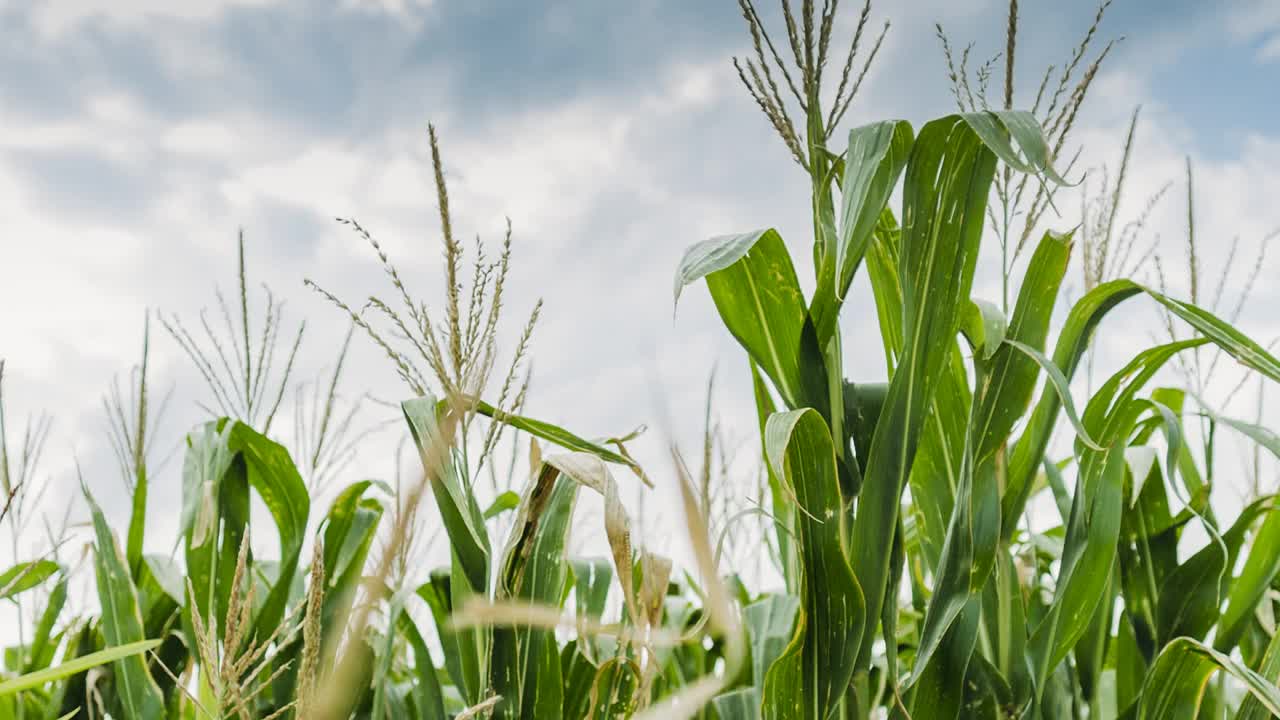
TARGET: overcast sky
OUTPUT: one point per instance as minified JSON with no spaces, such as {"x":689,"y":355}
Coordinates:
{"x":138,"y":136}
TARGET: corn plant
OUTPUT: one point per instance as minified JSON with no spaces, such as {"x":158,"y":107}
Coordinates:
{"x":940,"y":554}
{"x":927,"y":478}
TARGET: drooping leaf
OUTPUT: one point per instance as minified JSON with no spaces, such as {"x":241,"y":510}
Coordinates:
{"x":551,"y":433}
{"x":1175,"y":687}
{"x":1073,"y":340}
{"x":757,"y":293}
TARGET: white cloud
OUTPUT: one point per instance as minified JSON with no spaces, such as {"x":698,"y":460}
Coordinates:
{"x":55,"y":17}
{"x":604,"y":189}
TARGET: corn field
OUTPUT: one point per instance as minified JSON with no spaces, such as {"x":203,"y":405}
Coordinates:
{"x":967,"y":535}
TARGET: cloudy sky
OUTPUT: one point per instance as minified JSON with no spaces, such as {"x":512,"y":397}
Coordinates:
{"x":138,"y":136}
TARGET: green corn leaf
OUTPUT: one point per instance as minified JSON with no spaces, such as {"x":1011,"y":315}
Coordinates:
{"x":1006,"y":380}
{"x":427,"y":694}
{"x":1088,"y":556}
{"x":118,"y":654}
{"x":886,"y":286}
{"x":944,"y":197}
{"x":139,"y":696}
{"x":167,"y":576}
{"x":740,"y":704}
{"x":873,"y":162}
{"x":1261,"y":567}
{"x":810,"y":677}
{"x":769,"y":622}
{"x":1175,"y":687}
{"x":1192,"y":594}
{"x":591,"y":580}
{"x":782,"y":506}
{"x":458,"y":508}
{"x":755,"y":289}
{"x":1252,"y":707}
{"x":1000,"y":129}
{"x":1085,"y":316}
{"x":349,"y":528}
{"x":44,"y":629}
{"x":533,"y":570}
{"x":385,"y":653}
{"x":1011,"y":374}
{"x":939,"y":693}
{"x":578,"y":672}
{"x":24,"y":576}
{"x":1058,"y":381}
{"x":1263,"y":436}
{"x":505,"y":501}
{"x":549,"y":432}
{"x":984,"y":326}
{"x":1091,"y":649}
{"x":271,"y":472}
{"x":1130,"y":665}
{"x":1147,"y":555}
{"x":462,"y":659}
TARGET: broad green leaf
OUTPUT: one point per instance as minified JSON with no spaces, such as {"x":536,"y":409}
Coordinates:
{"x":810,"y":677}
{"x":167,"y":575}
{"x":755,"y":289}
{"x":138,"y":694}
{"x":1058,"y":381}
{"x":214,"y":508}
{"x":271,"y":472}
{"x":944,"y":197}
{"x":591,"y":580}
{"x":118,"y":654}
{"x":349,"y":529}
{"x":1005,"y":380}
{"x":1000,"y":129}
{"x":24,"y":576}
{"x":1176,"y":685}
{"x":872,"y":164}
{"x":1091,"y":649}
